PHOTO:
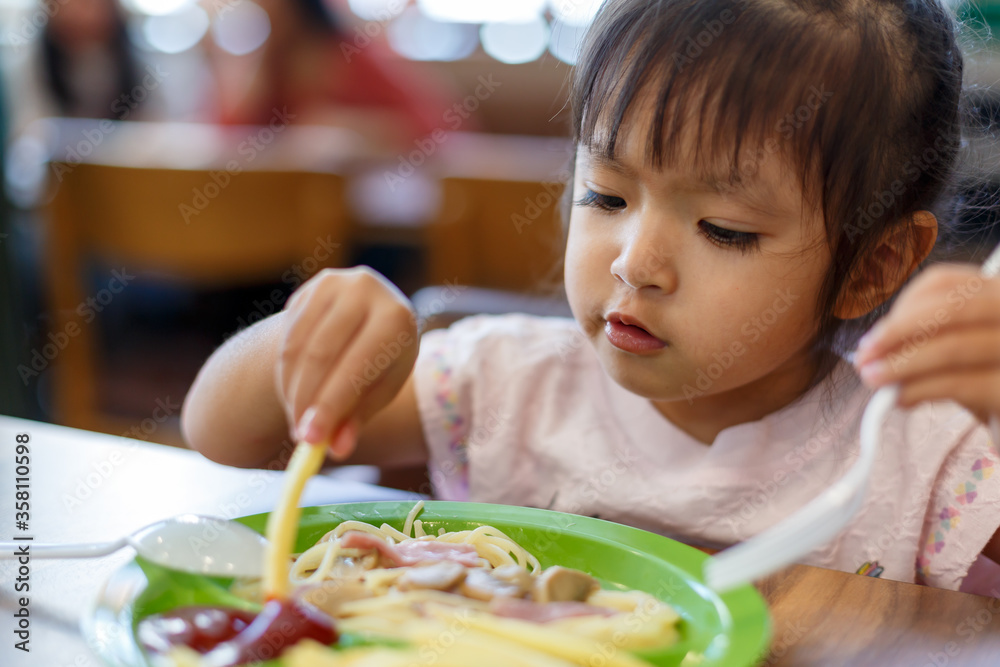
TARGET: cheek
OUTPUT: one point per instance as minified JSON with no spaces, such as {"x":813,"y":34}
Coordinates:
{"x":588,"y":243}
{"x":765,"y":312}
{"x":573,"y":267}
{"x":584,"y":271}
{"x":576,"y":251}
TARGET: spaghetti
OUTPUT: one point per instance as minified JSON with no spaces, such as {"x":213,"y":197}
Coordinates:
{"x":451,"y":599}
{"x":415,"y":591}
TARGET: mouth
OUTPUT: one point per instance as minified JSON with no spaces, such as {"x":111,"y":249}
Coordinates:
{"x":630,"y":335}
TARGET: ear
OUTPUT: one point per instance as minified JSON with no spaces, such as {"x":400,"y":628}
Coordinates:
{"x":883,"y":272}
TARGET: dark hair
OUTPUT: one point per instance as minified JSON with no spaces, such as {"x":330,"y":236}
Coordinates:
{"x":56,"y":66}
{"x":319,"y":15}
{"x":861,"y":97}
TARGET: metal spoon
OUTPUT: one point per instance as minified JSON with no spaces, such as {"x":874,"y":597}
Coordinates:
{"x":189,"y":542}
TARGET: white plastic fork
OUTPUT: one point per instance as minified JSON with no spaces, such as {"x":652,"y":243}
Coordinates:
{"x":826,"y":514}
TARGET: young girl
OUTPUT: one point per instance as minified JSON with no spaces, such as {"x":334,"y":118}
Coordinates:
{"x":754,"y":181}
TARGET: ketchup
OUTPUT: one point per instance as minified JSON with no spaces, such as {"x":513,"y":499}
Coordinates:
{"x":201,"y":628}
{"x":234,"y":637}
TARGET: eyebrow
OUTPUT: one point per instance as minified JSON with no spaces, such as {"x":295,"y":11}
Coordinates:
{"x":752,"y":191}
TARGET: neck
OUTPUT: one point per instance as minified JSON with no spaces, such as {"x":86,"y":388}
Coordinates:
{"x":703,"y":418}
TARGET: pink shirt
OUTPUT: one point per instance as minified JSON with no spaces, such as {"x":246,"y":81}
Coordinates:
{"x":517,"y":410}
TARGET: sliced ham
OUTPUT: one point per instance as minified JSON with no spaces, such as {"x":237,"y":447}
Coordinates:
{"x":527,"y":610}
{"x":418,"y":551}
{"x":412,"y":552}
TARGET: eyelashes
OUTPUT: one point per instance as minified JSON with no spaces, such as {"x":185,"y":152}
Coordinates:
{"x":745,"y":242}
{"x":727,"y":238}
{"x":593,"y":199}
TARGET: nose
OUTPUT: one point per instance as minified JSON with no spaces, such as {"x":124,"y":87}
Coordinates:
{"x":645,"y":260}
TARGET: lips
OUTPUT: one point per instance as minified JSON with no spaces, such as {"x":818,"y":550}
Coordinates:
{"x":630,"y":335}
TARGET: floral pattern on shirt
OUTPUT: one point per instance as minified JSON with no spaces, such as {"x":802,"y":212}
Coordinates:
{"x":455,"y":426}
{"x":950,"y":517}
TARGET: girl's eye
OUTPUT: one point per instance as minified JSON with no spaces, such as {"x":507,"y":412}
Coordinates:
{"x":603,"y":202}
{"x":727,"y":238}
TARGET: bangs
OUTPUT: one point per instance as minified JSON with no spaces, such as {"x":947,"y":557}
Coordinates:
{"x":734,"y":81}
{"x":858,"y":99}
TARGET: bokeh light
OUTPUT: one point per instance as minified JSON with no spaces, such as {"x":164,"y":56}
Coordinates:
{"x":575,"y":12}
{"x":156,"y":7}
{"x":515,"y":42}
{"x":242,"y":30}
{"x":377,"y":10}
{"x":566,"y":40}
{"x":176,"y":32}
{"x":482,"y":11}
{"x":420,"y":37}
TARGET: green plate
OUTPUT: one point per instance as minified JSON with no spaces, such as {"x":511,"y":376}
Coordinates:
{"x":732,"y":629}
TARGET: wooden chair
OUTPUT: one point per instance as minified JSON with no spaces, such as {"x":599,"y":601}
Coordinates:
{"x":194,"y":226}
{"x":501,"y":234}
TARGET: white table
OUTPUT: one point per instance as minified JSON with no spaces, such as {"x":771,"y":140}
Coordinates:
{"x":90,"y":487}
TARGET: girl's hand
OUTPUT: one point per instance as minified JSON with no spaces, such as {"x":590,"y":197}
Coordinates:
{"x":348,"y":346}
{"x":940,"y":340}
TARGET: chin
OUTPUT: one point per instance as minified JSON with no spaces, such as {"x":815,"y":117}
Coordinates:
{"x":644,"y":380}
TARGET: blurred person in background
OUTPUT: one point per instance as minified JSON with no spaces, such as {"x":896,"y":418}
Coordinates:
{"x":87,"y":61}
{"x":71,"y":59}
{"x":312,"y":67}
{"x":75,"y":58}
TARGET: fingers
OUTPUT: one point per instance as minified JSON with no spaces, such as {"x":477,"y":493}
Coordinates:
{"x":345,"y":440}
{"x":374,"y":359}
{"x":965,"y":349}
{"x":941,"y":300}
{"x":304,"y":311}
{"x":941,"y":340}
{"x":348,"y":348}
{"x":976,"y":389}
{"x":314,"y":356}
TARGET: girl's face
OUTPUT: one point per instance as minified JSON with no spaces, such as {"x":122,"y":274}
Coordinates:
{"x":695,"y":294}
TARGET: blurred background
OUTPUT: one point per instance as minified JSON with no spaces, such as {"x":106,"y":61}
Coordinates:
{"x":174,"y":169}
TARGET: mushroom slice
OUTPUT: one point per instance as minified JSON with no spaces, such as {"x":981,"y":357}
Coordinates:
{"x":441,"y":576}
{"x":330,"y":595}
{"x":481,"y":584}
{"x":514,"y":575}
{"x":562,"y":584}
